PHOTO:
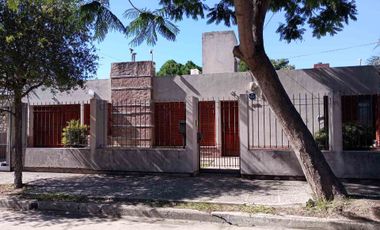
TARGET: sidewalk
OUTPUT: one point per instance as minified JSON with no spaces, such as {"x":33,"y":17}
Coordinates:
{"x":204,"y":188}
{"x":218,"y":189}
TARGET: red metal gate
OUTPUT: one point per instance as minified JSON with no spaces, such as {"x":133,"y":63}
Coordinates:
{"x":230,"y":129}
{"x":219,"y":145}
{"x":49,"y":122}
{"x":207,"y":123}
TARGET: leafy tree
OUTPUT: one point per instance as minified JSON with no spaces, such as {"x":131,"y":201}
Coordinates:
{"x":277,"y":64}
{"x":172,"y":68}
{"x":43,"y":43}
{"x":188,"y":66}
{"x":374,"y":60}
{"x":324,"y":17}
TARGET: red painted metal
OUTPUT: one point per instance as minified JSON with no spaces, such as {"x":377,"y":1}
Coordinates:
{"x":167,"y":116}
{"x":230,"y":128}
{"x":49,"y":122}
{"x":207,"y":123}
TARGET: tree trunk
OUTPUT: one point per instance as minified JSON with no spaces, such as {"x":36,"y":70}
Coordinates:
{"x":250,"y":17}
{"x":18,"y":162}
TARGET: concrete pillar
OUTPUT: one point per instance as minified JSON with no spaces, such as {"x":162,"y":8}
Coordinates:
{"x":217,"y":56}
{"x":98,"y":124}
{"x":131,"y":83}
{"x":30,"y":126}
{"x":192,"y":145}
{"x":8,"y":155}
{"x":11,"y":135}
{"x":82,"y":113}
{"x":25,"y":121}
{"x":243,"y":130}
{"x":335,"y":122}
{"x":218,"y":123}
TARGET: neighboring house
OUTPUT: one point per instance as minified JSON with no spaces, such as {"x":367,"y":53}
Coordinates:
{"x":211,"y":121}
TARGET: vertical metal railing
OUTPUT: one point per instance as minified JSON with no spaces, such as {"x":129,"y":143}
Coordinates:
{"x":265,"y":131}
{"x":133,"y":124}
{"x":49,"y":120}
{"x":223,"y":154}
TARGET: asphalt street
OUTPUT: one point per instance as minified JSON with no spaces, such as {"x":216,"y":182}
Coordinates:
{"x":12,"y":220}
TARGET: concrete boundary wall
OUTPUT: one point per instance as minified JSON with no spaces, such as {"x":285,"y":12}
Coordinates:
{"x":110,"y":159}
{"x":272,"y":163}
{"x":347,"y":164}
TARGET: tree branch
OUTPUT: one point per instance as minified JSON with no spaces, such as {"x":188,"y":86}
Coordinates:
{"x":130,"y":2}
{"x":32,"y":88}
{"x":7,"y":111}
{"x":250,"y":16}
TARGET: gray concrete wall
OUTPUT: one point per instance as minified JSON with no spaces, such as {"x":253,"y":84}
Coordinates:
{"x":358,"y":165}
{"x":217,"y":56}
{"x":111,"y":159}
{"x":349,"y":164}
{"x":220,"y":85}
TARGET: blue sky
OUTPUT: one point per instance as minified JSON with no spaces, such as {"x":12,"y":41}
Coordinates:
{"x":302,"y":54}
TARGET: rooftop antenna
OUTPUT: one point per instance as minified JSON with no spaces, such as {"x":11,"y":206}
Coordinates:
{"x":133,"y":55}
{"x":151,"y":52}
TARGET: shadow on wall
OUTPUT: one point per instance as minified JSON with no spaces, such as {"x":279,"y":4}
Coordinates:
{"x":355,"y":80}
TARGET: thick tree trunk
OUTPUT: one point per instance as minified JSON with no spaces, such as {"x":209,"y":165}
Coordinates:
{"x":18,"y":164}
{"x":250,"y":17}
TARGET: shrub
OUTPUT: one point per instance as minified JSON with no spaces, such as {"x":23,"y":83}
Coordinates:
{"x":74,"y":134}
{"x":322,"y":138}
{"x":355,"y":137}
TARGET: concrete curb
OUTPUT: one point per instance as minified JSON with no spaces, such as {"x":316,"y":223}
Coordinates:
{"x":232,"y":218}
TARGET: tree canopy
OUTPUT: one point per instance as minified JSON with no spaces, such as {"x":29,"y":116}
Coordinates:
{"x":374,"y":60}
{"x":171,"y":68}
{"x":42,"y":43}
{"x":323,"y":17}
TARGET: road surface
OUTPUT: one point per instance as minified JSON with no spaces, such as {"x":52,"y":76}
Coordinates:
{"x":12,"y":220}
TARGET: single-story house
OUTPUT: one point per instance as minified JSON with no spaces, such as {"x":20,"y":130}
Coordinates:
{"x":217,"y":120}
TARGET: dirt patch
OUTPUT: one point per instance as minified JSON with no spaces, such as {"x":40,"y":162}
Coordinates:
{"x":8,"y":189}
{"x":352,"y":209}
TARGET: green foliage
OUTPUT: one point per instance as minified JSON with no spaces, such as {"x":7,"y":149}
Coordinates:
{"x":74,"y":134}
{"x":324,"y":17}
{"x":374,"y":60}
{"x":100,"y":17}
{"x":277,"y":64}
{"x":322,"y":138}
{"x":355,"y":137}
{"x":172,"y":68}
{"x":44,"y":43}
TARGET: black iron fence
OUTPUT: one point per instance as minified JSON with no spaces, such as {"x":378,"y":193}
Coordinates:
{"x":219,"y":134}
{"x":134,"y":124}
{"x":360,"y":121}
{"x":265,"y":131}
{"x":50,"y":120}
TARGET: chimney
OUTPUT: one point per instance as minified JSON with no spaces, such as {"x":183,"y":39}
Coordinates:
{"x":321,"y":65}
{"x":195,"y":72}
